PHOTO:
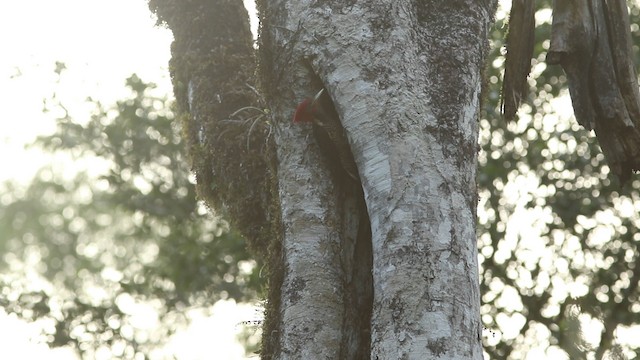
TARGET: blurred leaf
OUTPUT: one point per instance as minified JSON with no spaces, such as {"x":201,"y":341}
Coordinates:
{"x":116,"y":214}
{"x":555,"y":228}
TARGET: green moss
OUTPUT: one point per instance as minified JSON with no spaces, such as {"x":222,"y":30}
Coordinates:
{"x":232,"y":154}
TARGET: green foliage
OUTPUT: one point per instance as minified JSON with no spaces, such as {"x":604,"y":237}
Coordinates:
{"x":114,"y":223}
{"x":557,"y":233}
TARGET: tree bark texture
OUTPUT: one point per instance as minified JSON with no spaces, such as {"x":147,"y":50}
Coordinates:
{"x":591,"y":40}
{"x":405,"y":78}
{"x":520,"y":40}
{"x":213,"y":73}
{"x":227,"y":131}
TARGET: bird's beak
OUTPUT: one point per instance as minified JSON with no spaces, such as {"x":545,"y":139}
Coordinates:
{"x":317,"y":97}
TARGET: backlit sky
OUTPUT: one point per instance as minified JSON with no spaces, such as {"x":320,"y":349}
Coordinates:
{"x":102,"y":43}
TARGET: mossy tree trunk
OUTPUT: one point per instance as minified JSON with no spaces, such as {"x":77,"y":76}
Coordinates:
{"x":405,"y":78}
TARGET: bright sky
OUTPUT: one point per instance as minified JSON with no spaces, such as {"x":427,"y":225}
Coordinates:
{"x":101,"y":43}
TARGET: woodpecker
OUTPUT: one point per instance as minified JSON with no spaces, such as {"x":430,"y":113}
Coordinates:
{"x":357,"y":252}
{"x":329,"y":134}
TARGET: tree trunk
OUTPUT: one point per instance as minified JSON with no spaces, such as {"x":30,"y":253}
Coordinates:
{"x":405,"y":78}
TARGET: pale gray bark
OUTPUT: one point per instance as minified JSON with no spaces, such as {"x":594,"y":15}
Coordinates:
{"x":311,"y":293}
{"x":405,"y":77}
